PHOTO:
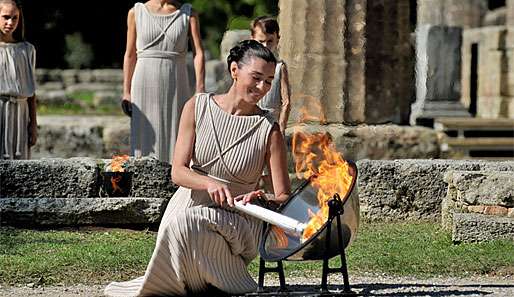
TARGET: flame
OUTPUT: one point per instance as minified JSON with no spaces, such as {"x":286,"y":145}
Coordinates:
{"x":118,"y":162}
{"x":114,"y":182}
{"x":317,"y":158}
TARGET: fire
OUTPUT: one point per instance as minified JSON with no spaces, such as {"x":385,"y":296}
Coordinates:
{"x":317,"y":158}
{"x":114,"y":182}
{"x":118,"y":163}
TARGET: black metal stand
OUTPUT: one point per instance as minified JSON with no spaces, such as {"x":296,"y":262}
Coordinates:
{"x":263,"y":270}
{"x":336,"y":209}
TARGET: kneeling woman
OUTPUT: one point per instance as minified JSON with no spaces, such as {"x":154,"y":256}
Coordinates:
{"x":203,"y":242}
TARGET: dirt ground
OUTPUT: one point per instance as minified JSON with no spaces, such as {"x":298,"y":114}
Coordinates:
{"x":365,"y":285}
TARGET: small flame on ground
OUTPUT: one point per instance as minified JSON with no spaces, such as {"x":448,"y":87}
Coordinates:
{"x":118,"y":163}
{"x":317,"y":158}
{"x":114,"y":182}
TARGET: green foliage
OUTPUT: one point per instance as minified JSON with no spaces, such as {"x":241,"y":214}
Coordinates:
{"x":78,"y":53}
{"x":218,"y":16}
{"x":415,"y":249}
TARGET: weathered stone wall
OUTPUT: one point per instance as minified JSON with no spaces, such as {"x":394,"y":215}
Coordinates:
{"x":466,"y":14}
{"x":388,"y":190}
{"x":410,"y":189}
{"x":479,"y":205}
{"x":64,"y":192}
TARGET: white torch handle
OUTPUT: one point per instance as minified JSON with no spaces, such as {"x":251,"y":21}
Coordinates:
{"x":288,"y":224}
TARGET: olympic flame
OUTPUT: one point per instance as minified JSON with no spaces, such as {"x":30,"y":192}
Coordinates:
{"x":316,"y":157}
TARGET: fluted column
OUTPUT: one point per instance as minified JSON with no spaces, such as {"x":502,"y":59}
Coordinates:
{"x":312,"y":44}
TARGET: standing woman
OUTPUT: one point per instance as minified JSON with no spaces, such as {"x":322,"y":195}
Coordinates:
{"x":18,"y":126}
{"x":156,"y":84}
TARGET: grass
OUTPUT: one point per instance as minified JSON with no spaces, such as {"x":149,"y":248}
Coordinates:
{"x":81,"y":105}
{"x":96,"y":256}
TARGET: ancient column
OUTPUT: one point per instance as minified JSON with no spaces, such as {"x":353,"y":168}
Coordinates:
{"x":510,"y":12}
{"x":353,"y":57}
{"x":438,"y":73}
{"x":465,"y":14}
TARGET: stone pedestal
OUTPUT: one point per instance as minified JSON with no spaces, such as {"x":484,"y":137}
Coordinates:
{"x":349,"y":60}
{"x":510,"y":12}
{"x":438,"y":70}
{"x":465,"y":14}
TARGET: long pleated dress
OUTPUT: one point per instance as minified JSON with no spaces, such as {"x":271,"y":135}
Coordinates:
{"x":200,"y":245}
{"x":160,"y":84}
{"x":17,"y":83}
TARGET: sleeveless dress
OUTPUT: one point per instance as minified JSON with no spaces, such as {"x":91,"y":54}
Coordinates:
{"x":272,"y":100}
{"x":17,"y":83}
{"x":200,"y":245}
{"x":160,"y":84}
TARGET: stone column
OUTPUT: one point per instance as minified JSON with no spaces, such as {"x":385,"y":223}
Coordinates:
{"x":466,"y":14}
{"x":389,"y":62}
{"x":353,"y":57}
{"x":312,"y":45}
{"x":438,"y":72}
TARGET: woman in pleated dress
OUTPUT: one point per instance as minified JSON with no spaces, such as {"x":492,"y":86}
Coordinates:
{"x":156,"y":84}
{"x":18,"y":126}
{"x":224,"y":143}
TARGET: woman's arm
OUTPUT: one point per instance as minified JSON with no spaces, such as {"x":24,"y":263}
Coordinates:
{"x":277,"y":163}
{"x":181,"y":174}
{"x":199,"y":59}
{"x":130,"y":57}
{"x":31,"y":101}
{"x":285,"y":93}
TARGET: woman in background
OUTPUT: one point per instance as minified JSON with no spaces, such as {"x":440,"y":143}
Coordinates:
{"x":156,"y":84}
{"x":18,"y":125}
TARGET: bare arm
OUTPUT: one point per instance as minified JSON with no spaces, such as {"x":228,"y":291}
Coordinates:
{"x":181,"y":174}
{"x":277,"y":163}
{"x":32,"y":103}
{"x":130,"y":57}
{"x":285,"y":94}
{"x":199,"y":59}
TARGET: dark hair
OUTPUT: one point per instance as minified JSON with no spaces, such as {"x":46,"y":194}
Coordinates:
{"x":246,"y":49}
{"x":19,"y":33}
{"x":267,"y":24}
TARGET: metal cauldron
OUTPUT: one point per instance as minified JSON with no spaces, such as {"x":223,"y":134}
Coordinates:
{"x":273,"y":247}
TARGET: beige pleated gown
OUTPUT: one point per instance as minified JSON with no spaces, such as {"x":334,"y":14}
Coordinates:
{"x":160,"y":85}
{"x":200,"y":244}
{"x":17,"y":83}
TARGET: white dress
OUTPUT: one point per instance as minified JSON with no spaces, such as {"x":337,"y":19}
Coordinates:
{"x":17,"y":83}
{"x":200,"y":245}
{"x":160,"y":84}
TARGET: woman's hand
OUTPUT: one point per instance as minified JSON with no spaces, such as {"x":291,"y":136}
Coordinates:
{"x":248,"y":197}
{"x":219,"y":193}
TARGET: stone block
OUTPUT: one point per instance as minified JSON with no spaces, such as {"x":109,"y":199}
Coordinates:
{"x":69,"y":76}
{"x":92,"y":87}
{"x":109,"y":76}
{"x":510,"y":12}
{"x":410,"y":189}
{"x":492,"y":107}
{"x":107,"y":98}
{"x":58,"y":212}
{"x":509,"y":38}
{"x":54,"y":98}
{"x":470,"y":227}
{"x":496,"y":210}
{"x":85,"y":76}
{"x":62,"y":178}
{"x":510,"y":213}
{"x":493,"y":38}
{"x":151,"y":178}
{"x":50,"y":86}
{"x":488,"y":188}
